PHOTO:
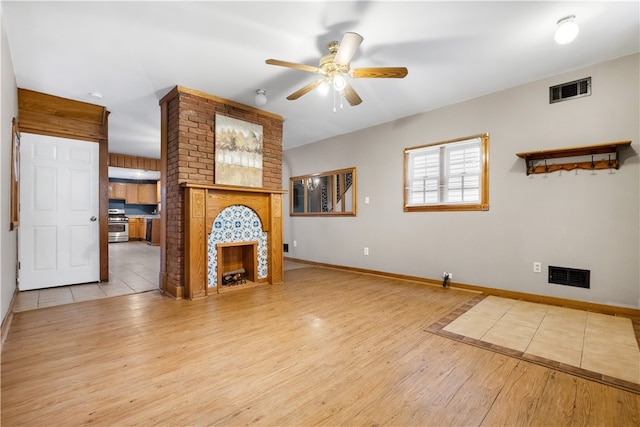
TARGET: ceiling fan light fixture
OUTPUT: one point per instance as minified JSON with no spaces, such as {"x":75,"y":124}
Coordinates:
{"x":567,"y":30}
{"x":324,"y":87}
{"x":339,"y":83}
{"x":261,"y":97}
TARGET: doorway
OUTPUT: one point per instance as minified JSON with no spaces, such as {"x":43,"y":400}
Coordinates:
{"x":59,"y":234}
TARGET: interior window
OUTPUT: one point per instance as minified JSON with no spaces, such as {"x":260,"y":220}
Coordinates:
{"x":325,"y":193}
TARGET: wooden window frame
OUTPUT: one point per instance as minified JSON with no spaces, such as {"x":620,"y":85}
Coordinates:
{"x":15,"y":175}
{"x":481,"y":205}
{"x":317,"y":177}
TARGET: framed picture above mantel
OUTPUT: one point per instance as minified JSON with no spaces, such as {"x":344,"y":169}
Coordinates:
{"x":238,"y":154}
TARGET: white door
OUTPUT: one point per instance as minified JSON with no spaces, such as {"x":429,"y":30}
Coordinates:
{"x":59,"y":231}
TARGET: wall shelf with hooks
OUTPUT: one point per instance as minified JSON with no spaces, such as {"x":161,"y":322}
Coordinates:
{"x":536,"y":161}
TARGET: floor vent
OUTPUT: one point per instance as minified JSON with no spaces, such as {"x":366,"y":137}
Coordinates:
{"x":570,"y":90}
{"x":569,"y":276}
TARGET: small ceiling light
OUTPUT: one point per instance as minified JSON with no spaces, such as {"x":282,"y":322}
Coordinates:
{"x":323,"y":89}
{"x":567,"y":30}
{"x":96,"y":95}
{"x":261,"y":97}
{"x":339,"y":83}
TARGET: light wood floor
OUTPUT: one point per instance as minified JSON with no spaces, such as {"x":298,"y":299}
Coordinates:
{"x":327,"y":347}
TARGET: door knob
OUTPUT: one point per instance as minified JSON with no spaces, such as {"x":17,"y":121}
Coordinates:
{"x":93,"y":218}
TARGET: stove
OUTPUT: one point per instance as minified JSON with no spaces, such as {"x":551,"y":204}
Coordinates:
{"x":118,"y":226}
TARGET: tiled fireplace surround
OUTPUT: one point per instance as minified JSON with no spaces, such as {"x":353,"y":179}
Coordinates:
{"x":191,"y":200}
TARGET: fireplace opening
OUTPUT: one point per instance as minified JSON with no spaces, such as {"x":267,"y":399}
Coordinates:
{"x":237,"y":265}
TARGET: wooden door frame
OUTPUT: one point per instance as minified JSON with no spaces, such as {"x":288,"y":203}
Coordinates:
{"x":50,"y":115}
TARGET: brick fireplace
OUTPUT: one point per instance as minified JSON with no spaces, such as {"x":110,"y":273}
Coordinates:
{"x":191,"y":200}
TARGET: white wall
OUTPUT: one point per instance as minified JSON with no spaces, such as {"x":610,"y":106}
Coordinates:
{"x":8,"y":110}
{"x":579,"y":219}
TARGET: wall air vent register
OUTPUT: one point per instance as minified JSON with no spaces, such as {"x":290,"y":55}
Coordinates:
{"x":569,"y":276}
{"x":570,"y":90}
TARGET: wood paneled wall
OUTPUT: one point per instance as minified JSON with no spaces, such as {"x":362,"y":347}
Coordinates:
{"x":133,"y":162}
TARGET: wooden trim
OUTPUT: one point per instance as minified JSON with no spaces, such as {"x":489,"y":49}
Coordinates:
{"x":181,"y":89}
{"x":563,"y":302}
{"x":174,"y":291}
{"x":195,"y":243}
{"x":6,"y":322}
{"x":275,"y":257}
{"x":15,"y":172}
{"x":50,"y":115}
{"x":163,"y":200}
{"x":483,"y":204}
{"x":232,"y":188}
{"x":133,"y":162}
{"x":331,"y":175}
{"x":103,"y":207}
{"x":201,"y":206}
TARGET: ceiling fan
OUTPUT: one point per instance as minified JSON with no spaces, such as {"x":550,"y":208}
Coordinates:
{"x":335,"y":66}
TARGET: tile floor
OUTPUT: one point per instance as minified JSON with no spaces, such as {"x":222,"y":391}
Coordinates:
{"x":133,"y":267}
{"x":595,"y":342}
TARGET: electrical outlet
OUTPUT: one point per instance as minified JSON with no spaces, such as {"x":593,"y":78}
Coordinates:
{"x":537,"y":267}
{"x":366,"y":200}
{"x":295,"y":243}
{"x":366,"y":251}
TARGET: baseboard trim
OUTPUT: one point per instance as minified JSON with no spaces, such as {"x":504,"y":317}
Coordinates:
{"x":6,"y":322}
{"x":543,"y":299}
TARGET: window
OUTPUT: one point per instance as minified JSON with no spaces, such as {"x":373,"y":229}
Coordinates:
{"x":448,"y":176}
{"x":327,"y":193}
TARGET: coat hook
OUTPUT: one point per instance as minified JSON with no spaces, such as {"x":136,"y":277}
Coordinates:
{"x":592,"y":164}
{"x":609,"y":163}
{"x":546,"y":168}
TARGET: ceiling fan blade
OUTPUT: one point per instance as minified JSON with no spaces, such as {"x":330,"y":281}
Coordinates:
{"x":302,"y":67}
{"x":351,"y":96}
{"x":379,"y":72}
{"x":348,"y":47}
{"x":304,"y":90}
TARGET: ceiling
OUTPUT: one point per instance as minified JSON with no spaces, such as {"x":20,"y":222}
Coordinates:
{"x":133,"y":53}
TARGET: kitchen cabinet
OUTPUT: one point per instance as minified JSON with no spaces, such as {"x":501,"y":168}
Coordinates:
{"x":117,"y":190}
{"x":131,"y":194}
{"x":134,"y":194}
{"x":137,"y":228}
{"x":147,"y":194}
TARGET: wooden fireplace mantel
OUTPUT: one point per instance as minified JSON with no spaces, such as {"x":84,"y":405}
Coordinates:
{"x":202,"y":204}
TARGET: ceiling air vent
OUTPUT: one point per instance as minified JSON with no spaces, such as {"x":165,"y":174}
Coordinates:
{"x":569,"y":276}
{"x":571,"y":90}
